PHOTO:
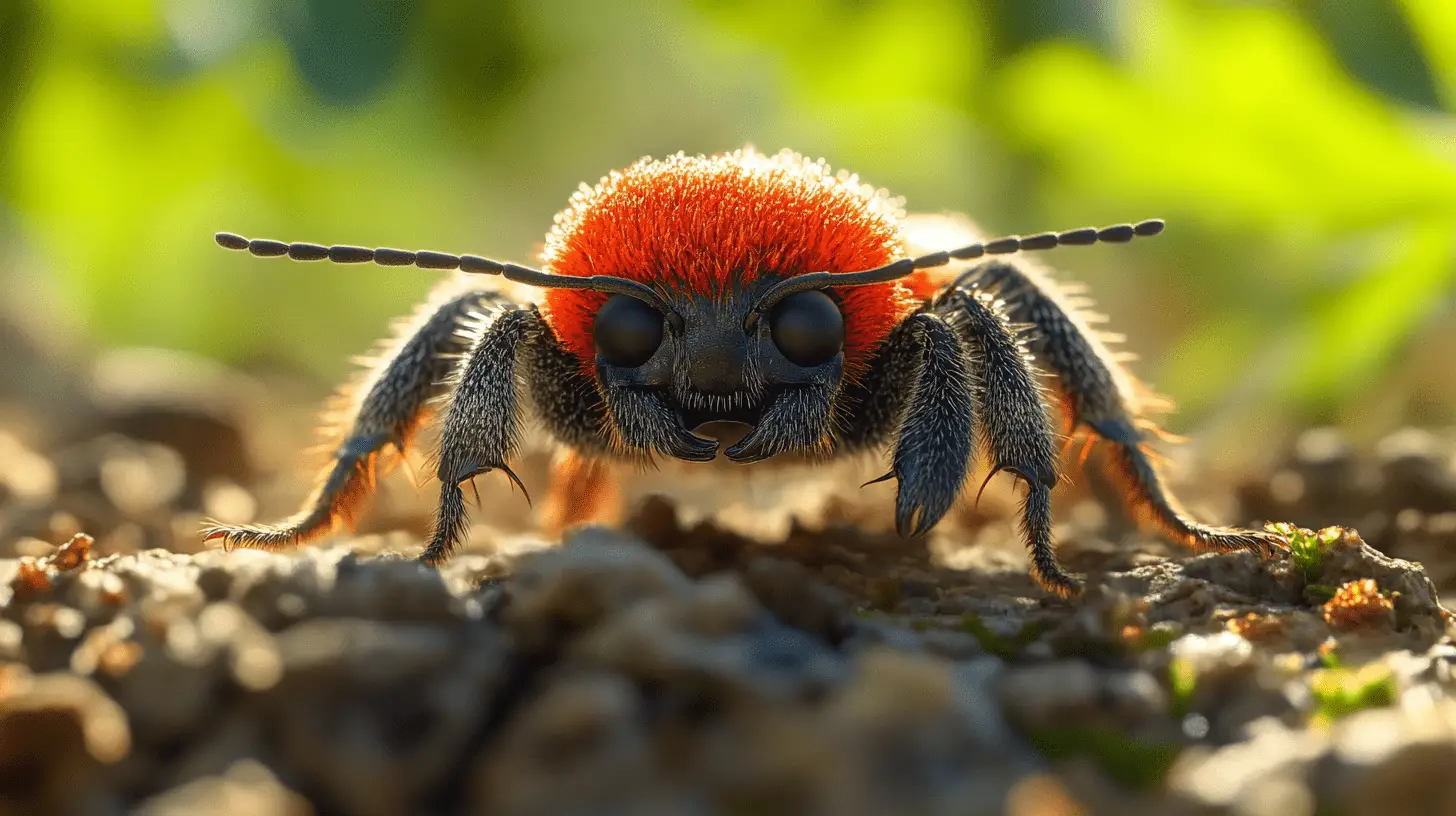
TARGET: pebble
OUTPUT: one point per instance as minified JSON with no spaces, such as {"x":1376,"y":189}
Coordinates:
{"x":695,"y":670}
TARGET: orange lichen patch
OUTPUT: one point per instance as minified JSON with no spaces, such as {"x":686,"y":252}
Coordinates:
{"x":1358,"y":604}
{"x":29,"y":581}
{"x":706,"y":224}
{"x":1255,"y":627}
{"x":74,"y":553}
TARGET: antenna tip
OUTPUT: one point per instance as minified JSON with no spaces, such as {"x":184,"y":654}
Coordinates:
{"x":230,"y":240}
{"x":1152,"y":226}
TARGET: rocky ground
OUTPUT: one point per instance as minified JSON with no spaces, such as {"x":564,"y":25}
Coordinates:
{"x":779,"y":653}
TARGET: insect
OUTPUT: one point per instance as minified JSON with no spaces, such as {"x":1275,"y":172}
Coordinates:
{"x":763,"y":291}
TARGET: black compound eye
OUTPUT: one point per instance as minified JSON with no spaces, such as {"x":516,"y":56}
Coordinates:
{"x":627,"y":331}
{"x":808,"y":328}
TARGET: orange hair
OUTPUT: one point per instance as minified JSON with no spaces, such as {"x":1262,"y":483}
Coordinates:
{"x":708,"y":223}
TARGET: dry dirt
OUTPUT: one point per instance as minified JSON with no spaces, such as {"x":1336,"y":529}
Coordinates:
{"x":732,"y":646}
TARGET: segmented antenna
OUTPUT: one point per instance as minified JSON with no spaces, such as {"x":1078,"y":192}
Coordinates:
{"x":427,"y":259}
{"x":1116,"y":234}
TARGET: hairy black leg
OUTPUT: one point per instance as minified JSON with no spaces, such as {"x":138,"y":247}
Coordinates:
{"x":1015,"y":433}
{"x":1092,"y":383}
{"x":395,"y":397}
{"x":645,"y":425}
{"x":565,"y":397}
{"x":1101,"y":397}
{"x":1149,"y":498}
{"x":798,"y":419}
{"x":569,"y":404}
{"x":482,"y":423}
{"x":1036,"y":528}
{"x":868,"y":409}
{"x":933,"y":450}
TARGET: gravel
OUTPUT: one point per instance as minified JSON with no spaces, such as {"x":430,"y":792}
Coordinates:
{"x":753,"y":660}
{"x":599,"y":676}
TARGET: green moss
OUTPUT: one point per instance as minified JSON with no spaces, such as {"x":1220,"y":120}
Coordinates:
{"x":1155,"y":639}
{"x":989,"y":640}
{"x":1182,"y":683}
{"x":1317,"y":594}
{"x":1028,"y":634}
{"x":1339,"y":692}
{"x":1001,"y":646}
{"x":1135,"y":764}
{"x":1307,"y":548}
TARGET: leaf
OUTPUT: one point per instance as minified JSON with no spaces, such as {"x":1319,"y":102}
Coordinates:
{"x":1434,"y":26}
{"x":347,"y":50}
{"x":19,"y":26}
{"x":1373,"y":39}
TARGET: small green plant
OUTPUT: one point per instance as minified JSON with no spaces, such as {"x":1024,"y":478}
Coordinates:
{"x":1307,"y":548}
{"x":1339,"y":692}
{"x":1136,"y":764}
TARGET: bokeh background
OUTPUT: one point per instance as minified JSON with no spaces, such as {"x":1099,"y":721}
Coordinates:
{"x":1303,"y":152}
{"x":1299,"y":309}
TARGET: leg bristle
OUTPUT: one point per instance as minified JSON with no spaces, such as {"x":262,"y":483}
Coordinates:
{"x":1100,"y":395}
{"x":336,"y":501}
{"x":449,"y":528}
{"x":482,"y":423}
{"x":395,"y":400}
{"x":1036,"y":525}
{"x":1148,"y":499}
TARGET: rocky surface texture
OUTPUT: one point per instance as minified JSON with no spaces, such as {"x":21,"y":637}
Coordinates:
{"x":697,"y":662}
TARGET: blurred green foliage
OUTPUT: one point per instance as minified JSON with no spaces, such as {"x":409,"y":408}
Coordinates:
{"x":1303,"y":151}
{"x":1339,"y":692}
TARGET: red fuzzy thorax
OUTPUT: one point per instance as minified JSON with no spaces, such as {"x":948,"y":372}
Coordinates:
{"x":706,"y":224}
